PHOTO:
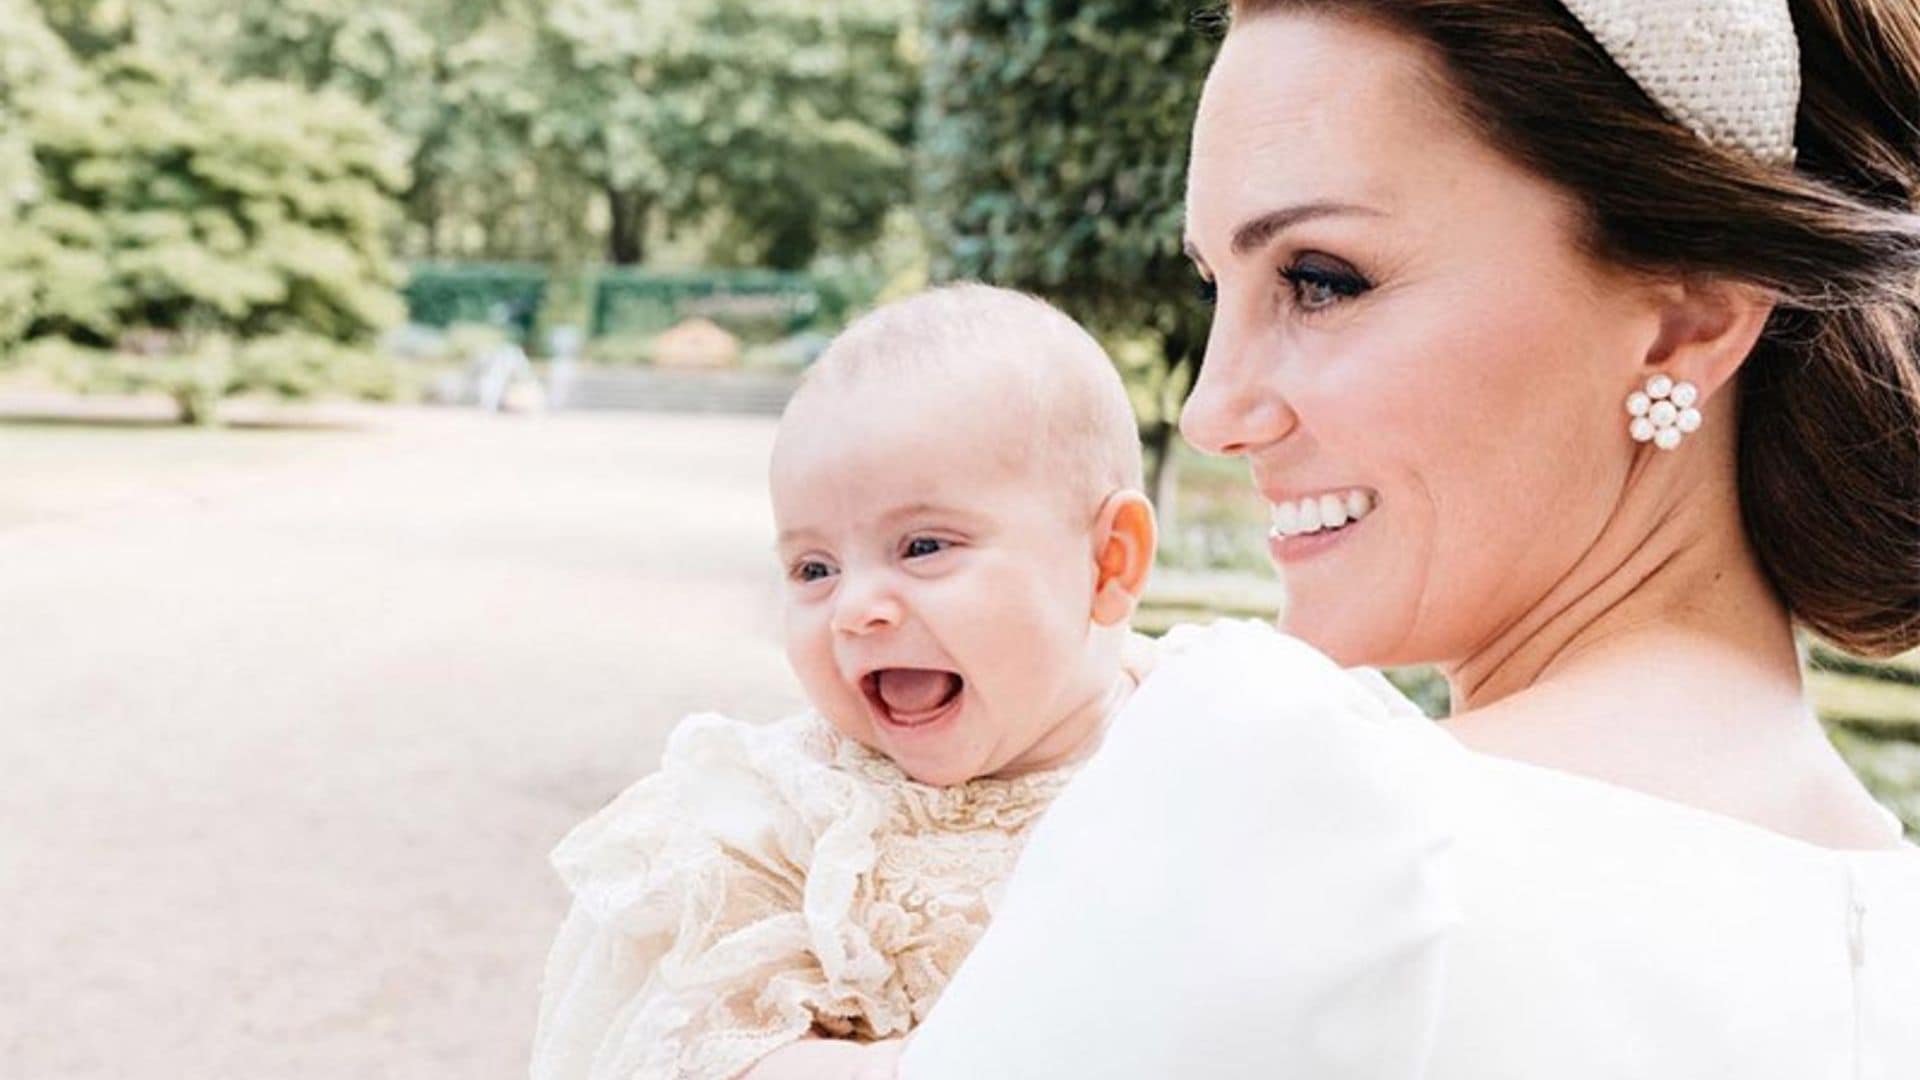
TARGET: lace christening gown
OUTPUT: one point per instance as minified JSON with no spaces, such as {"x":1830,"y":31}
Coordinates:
{"x":768,"y":883}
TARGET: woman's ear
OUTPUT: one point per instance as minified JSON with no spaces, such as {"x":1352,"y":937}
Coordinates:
{"x":1124,"y":537}
{"x":1708,"y":327}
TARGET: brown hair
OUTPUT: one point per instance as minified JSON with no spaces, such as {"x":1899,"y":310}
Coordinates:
{"x":1829,"y":401}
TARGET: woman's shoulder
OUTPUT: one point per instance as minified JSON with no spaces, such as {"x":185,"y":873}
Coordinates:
{"x":1251,"y":648}
{"x":1254,"y":697}
{"x":1239,"y":721}
{"x":1325,"y":883}
{"x":1257,"y":703}
{"x":1256,"y":828}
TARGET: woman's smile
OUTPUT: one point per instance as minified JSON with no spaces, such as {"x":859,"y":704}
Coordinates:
{"x":1324,"y":511}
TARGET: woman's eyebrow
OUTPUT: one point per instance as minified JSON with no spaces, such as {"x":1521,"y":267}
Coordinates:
{"x":1255,"y":233}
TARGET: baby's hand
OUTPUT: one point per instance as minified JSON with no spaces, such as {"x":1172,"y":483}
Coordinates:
{"x":829,"y":1059}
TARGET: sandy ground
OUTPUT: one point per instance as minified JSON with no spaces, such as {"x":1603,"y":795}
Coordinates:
{"x":289,"y":720}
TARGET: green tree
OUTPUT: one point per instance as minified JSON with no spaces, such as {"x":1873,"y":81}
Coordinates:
{"x":772,"y":129}
{"x":785,"y":118}
{"x":247,"y":208}
{"x":91,"y":28}
{"x":424,"y":68}
{"x":35,"y":66}
{"x":1052,"y":151}
{"x":202,"y":237}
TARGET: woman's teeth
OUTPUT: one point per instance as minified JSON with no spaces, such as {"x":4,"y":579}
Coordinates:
{"x":1316,"y":513}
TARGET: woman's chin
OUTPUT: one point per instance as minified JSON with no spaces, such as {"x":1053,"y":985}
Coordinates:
{"x":1347,"y":643}
{"x":1339,"y":605}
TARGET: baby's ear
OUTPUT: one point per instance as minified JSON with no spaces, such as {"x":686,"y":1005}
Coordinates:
{"x":1124,"y":536}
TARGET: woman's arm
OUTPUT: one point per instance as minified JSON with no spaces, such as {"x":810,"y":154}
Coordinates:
{"x":1246,"y":882}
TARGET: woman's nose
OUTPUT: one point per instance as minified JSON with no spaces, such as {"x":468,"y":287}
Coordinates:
{"x":862,"y":605}
{"x":1234,"y":407}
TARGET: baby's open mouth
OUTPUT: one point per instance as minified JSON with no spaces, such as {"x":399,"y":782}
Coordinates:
{"x":911,"y":696}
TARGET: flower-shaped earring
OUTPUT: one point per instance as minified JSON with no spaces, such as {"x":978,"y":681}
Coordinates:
{"x":1663,"y":413}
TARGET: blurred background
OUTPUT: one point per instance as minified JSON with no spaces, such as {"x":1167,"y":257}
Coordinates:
{"x":385,"y":395}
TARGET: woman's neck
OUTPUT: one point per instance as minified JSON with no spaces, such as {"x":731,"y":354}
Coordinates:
{"x":1668,"y":664}
{"x":1690,"y":576}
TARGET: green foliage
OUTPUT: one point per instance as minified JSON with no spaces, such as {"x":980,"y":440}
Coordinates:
{"x":172,"y":201}
{"x":181,"y":233}
{"x":1889,"y":767}
{"x":199,"y":374}
{"x":784,"y":117}
{"x":770,"y":130}
{"x":442,"y":294}
{"x":91,"y":28}
{"x":757,"y":305}
{"x":419,"y":65}
{"x":1052,"y":154}
{"x":35,"y":66}
{"x":1053,"y":147}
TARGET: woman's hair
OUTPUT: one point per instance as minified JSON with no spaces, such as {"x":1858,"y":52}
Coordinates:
{"x":1829,"y":401}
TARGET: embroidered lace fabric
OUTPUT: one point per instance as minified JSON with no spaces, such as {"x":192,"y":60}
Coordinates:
{"x":1727,"y":69}
{"x":768,"y":883}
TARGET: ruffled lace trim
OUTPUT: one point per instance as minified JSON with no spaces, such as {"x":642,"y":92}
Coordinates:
{"x":985,"y":803}
{"x":747,"y":867}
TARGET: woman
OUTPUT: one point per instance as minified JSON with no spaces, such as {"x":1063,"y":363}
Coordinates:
{"x":1604,"y":319}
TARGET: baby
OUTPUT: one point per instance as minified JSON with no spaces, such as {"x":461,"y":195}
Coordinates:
{"x":957,"y":491}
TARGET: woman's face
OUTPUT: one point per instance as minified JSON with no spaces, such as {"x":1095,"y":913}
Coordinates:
{"x":1405,"y":323}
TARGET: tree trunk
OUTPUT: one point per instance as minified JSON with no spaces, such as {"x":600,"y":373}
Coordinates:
{"x":627,"y":228}
{"x":422,"y":208}
{"x":1163,"y":475}
{"x":197,"y":407}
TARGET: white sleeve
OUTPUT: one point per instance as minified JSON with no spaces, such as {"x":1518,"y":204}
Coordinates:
{"x":1246,"y":881}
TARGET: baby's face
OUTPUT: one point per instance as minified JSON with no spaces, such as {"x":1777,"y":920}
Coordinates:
{"x":938,"y":589}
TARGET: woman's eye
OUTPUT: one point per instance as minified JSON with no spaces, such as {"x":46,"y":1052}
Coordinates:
{"x":1318,"y":285}
{"x":1207,"y":291}
{"x":810,"y":570}
{"x":921,"y":546}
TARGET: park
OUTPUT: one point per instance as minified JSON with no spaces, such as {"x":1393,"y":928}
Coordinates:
{"x":385,"y":402}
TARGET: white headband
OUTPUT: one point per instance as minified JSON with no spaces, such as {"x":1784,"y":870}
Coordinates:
{"x":1727,"y":69}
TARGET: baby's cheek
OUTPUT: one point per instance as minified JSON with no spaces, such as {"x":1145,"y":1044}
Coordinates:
{"x":813,"y":665}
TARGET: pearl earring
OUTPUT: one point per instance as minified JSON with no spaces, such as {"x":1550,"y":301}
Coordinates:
{"x":1663,"y":413}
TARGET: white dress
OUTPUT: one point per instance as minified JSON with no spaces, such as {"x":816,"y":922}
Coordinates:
{"x":1267,"y":872}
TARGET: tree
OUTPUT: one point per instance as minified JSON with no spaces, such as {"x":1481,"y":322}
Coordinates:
{"x":200,"y":237}
{"x":424,"y":68}
{"x":1052,"y":154}
{"x":785,"y":118}
{"x":550,"y":130}
{"x":92,"y":28}
{"x":35,"y":66}
{"x":248,"y":208}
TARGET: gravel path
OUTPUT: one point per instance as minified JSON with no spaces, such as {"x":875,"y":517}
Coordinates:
{"x":290,"y":718}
